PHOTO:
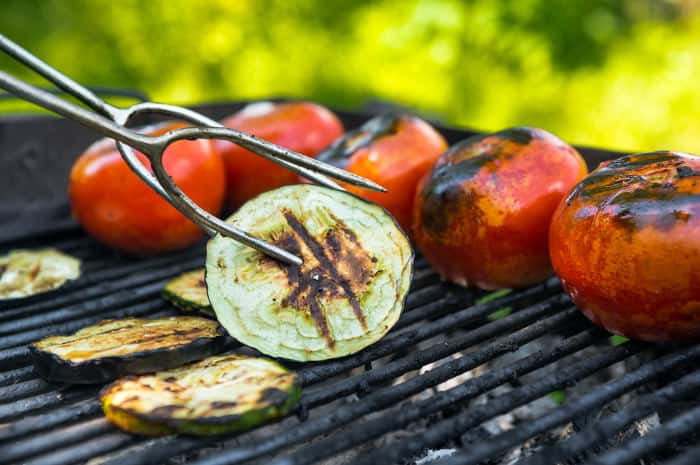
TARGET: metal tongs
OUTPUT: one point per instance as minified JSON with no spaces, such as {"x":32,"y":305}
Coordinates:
{"x":111,"y":121}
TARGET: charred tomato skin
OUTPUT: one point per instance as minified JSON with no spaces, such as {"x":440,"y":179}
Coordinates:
{"x":481,"y":216}
{"x":397,"y":157}
{"x":118,"y":209}
{"x":626,"y":245}
{"x":304,"y":127}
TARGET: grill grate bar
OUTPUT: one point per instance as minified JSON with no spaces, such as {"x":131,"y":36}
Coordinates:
{"x":607,"y":427}
{"x":455,"y":426}
{"x":87,"y":449}
{"x":688,"y":457}
{"x":23,"y":389}
{"x":439,"y":351}
{"x":408,"y":338}
{"x":17,"y":375}
{"x":21,"y":407}
{"x":588,"y":402}
{"x":681,"y":426}
{"x":64,"y":414}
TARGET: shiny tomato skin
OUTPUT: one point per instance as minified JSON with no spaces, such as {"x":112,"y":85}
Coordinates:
{"x":626,"y":245}
{"x":304,"y":127}
{"x":396,"y":160}
{"x":118,"y":209}
{"x":481,"y":216}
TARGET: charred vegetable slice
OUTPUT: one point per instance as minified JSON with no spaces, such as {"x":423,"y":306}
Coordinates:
{"x":348,"y":293}
{"x":217,"y":395}
{"x":24,"y":273}
{"x":113,"y":348}
{"x":189,"y":292}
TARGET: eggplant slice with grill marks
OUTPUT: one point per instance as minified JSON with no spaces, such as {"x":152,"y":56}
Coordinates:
{"x":188,"y":292}
{"x":220,"y":394}
{"x":25,"y":273}
{"x":348,"y":293}
{"x":114,"y":348}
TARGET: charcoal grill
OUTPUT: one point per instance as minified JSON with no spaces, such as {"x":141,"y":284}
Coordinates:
{"x":458,"y":364}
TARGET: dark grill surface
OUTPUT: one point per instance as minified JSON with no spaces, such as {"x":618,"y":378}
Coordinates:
{"x":482,"y":374}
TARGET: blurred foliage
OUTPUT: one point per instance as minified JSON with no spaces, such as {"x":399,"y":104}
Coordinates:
{"x":610,"y":73}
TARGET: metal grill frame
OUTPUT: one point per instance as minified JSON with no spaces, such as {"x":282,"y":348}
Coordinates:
{"x":347,"y":403}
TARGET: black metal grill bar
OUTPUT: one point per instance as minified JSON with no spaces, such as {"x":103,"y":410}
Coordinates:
{"x":17,"y":375}
{"x":681,"y":426}
{"x":21,"y":407}
{"x":421,"y":358}
{"x":158,"y":451}
{"x":68,"y":435}
{"x":109,"y":292}
{"x":73,"y":454}
{"x":408,"y":338}
{"x":455,"y":426}
{"x":607,"y":427}
{"x":689,"y":456}
{"x":594,"y":400}
{"x":406,"y":414}
{"x":23,"y":389}
{"x":65,"y":414}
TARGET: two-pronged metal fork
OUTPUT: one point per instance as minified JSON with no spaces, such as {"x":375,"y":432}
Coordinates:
{"x":111,"y":121}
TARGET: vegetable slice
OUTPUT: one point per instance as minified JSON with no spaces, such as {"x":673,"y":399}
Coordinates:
{"x":348,"y":293}
{"x":189,"y":292}
{"x":24,"y":273}
{"x":220,"y":394}
{"x":113,"y":348}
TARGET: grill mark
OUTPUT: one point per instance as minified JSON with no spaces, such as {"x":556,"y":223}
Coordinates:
{"x":35,"y":271}
{"x":317,"y":250}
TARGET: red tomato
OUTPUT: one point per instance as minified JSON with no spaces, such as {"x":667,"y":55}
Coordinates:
{"x":482,"y":214}
{"x":301,"y":126}
{"x":120,"y":210}
{"x":626,"y":245}
{"x":398,"y":151}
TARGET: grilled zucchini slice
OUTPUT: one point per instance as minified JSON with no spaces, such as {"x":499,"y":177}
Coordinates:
{"x":113,"y":348}
{"x":217,"y":395}
{"x":348,"y":293}
{"x":24,"y":273}
{"x":189,"y":292}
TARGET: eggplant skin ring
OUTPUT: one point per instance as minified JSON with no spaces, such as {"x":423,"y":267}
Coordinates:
{"x":348,"y":293}
{"x":220,"y":394}
{"x":113,"y":348}
{"x":188,"y":292}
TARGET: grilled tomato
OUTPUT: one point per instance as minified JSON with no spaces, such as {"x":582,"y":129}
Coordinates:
{"x":217,"y":395}
{"x":626,"y":245}
{"x":347,"y":294}
{"x":394,"y":151}
{"x":121,"y":211}
{"x":304,"y":127}
{"x":113,"y":348}
{"x":482,"y":214}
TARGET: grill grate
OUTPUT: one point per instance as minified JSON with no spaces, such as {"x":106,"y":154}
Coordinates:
{"x":455,"y":362}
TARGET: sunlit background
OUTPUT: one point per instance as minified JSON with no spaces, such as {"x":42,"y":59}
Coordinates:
{"x":617,"y":74}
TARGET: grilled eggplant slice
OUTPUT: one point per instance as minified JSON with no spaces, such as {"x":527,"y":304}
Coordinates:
{"x":113,"y":348}
{"x":220,"y":394}
{"x":25,"y":273}
{"x":348,"y":293}
{"x":189,"y":292}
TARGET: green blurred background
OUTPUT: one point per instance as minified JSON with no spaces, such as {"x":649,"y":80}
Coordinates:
{"x":617,"y":74}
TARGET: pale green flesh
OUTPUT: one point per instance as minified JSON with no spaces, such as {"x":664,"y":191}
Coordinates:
{"x":248,"y":293}
{"x":24,"y":273}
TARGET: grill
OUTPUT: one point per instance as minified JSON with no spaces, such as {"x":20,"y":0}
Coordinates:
{"x":466,"y":377}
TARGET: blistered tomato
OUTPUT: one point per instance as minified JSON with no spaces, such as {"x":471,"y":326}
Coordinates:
{"x":394,"y":151}
{"x":117,"y":208}
{"x":304,"y":127}
{"x":481,"y":216}
{"x":626,"y":245}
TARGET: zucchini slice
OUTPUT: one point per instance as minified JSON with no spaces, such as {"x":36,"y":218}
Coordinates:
{"x":348,"y":293}
{"x":189,"y":292}
{"x":217,"y":395}
{"x":24,"y":273}
{"x":113,"y":348}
